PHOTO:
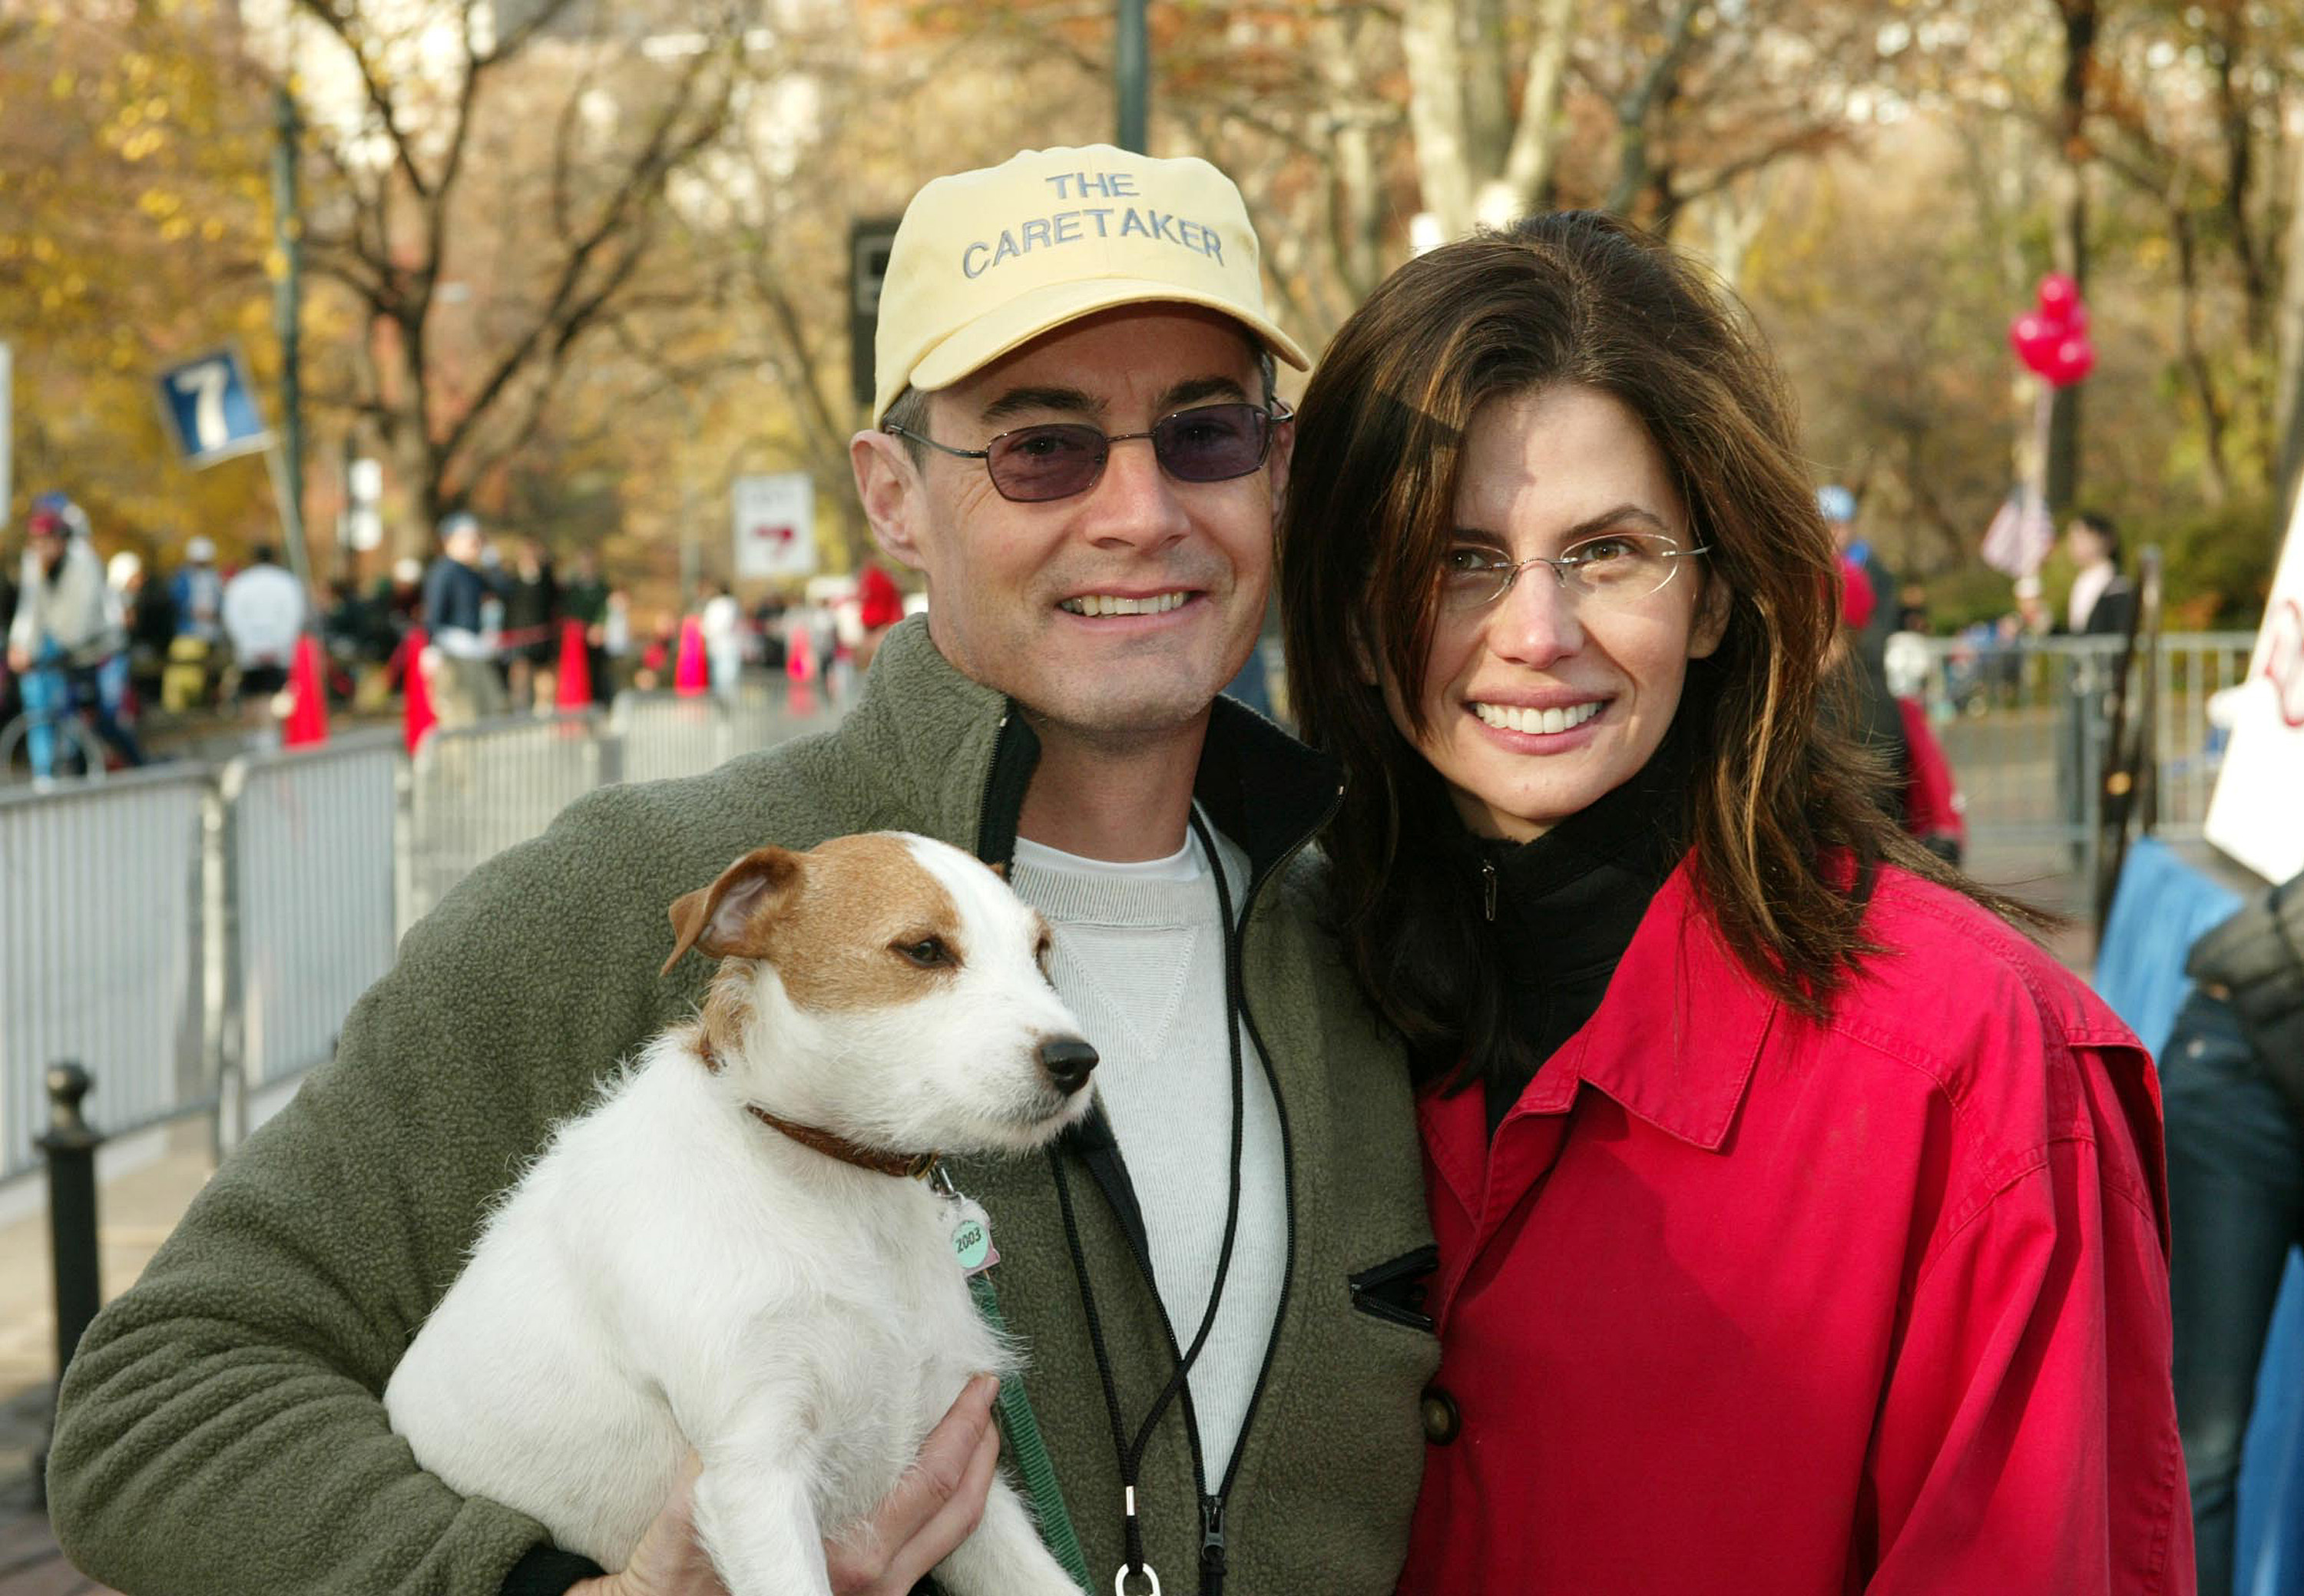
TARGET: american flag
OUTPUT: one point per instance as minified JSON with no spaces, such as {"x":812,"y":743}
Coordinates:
{"x":2020,"y":535}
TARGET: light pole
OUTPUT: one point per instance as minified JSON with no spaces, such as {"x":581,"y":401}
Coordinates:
{"x":1131,"y":67}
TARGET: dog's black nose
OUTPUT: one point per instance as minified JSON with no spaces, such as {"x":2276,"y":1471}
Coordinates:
{"x":1068,"y":1060}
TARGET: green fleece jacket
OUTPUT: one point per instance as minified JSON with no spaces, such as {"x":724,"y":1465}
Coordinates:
{"x":221,"y":1432}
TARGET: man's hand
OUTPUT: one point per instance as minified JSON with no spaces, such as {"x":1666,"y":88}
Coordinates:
{"x":934,"y":1508}
{"x":20,"y":660}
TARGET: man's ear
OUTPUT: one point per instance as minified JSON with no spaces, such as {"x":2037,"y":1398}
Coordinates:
{"x":723,"y":919}
{"x":889,"y":487}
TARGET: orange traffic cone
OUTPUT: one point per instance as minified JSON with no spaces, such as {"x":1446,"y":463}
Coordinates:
{"x":308,"y":697}
{"x":691,"y":675}
{"x":575,"y":667}
{"x":416,"y":714}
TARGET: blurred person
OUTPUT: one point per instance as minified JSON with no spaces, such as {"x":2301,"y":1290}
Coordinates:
{"x":1838,"y":505}
{"x":460,"y":627}
{"x":150,"y":621}
{"x":2232,"y":1077}
{"x":768,"y":622}
{"x":879,"y":607}
{"x":196,"y":651}
{"x":659,"y":654}
{"x":196,"y":590}
{"x":264,"y":611}
{"x":722,"y":621}
{"x":531,"y":641}
{"x":616,"y":641}
{"x":2102,"y":602}
{"x":1857,"y":703}
{"x":584,"y":599}
{"x":67,"y":644}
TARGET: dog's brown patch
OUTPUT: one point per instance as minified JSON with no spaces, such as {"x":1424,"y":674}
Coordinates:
{"x":863,"y":900}
{"x":855,"y":922}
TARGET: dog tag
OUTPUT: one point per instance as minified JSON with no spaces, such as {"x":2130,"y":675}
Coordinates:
{"x":972,"y":1237}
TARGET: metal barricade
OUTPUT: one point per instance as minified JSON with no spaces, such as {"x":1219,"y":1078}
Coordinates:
{"x":472,"y":792}
{"x":2025,"y":723}
{"x":310,"y":885}
{"x":103,"y":948}
{"x":665,"y":736}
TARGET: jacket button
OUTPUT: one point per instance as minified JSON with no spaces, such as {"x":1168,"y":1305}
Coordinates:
{"x":1441,"y":1420}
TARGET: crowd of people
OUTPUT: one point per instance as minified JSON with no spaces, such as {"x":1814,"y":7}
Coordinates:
{"x":109,"y":640}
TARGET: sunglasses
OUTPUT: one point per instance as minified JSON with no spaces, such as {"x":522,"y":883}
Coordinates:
{"x":1030,"y":465}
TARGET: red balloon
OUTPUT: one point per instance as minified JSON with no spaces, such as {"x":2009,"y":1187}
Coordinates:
{"x":2058,"y":296}
{"x":2076,"y":320}
{"x":2071,"y":360}
{"x":2034,"y":337}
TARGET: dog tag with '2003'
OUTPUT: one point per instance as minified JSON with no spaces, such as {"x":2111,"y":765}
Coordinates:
{"x":972,"y":1237}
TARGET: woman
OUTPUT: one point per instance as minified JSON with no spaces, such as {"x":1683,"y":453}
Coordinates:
{"x":1801,"y":1225}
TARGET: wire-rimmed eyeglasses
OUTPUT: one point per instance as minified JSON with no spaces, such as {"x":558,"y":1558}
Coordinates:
{"x":1612,"y":568}
{"x":1054,"y":460}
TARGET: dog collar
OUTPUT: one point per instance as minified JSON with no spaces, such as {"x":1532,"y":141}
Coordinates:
{"x":912,"y":1165}
{"x":916,"y":1166}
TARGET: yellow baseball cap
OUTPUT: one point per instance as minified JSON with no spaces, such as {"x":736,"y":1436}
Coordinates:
{"x":985,"y":261}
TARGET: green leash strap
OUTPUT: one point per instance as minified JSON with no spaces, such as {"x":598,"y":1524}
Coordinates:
{"x":1030,"y":1453}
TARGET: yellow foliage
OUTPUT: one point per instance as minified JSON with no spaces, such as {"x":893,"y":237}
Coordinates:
{"x":61,"y":86}
{"x":176,"y":227}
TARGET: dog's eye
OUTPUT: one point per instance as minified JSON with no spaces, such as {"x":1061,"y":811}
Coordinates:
{"x":930,"y":952}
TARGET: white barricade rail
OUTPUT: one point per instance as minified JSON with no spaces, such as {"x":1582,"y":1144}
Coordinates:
{"x":475,"y":791}
{"x":311,"y":889}
{"x":2026,"y":726}
{"x":665,"y":736}
{"x":102,"y":950}
{"x":188,"y":934}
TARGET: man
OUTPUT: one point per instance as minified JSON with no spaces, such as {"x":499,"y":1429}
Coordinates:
{"x":65,"y":641}
{"x":2232,"y":1076}
{"x":263,"y":612}
{"x":197,"y":597}
{"x":459,"y":659}
{"x":2102,"y":603}
{"x":219,"y":1430}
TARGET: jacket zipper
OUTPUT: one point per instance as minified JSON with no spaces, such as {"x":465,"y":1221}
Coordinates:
{"x":1003,"y":773}
{"x":1212,"y":1510}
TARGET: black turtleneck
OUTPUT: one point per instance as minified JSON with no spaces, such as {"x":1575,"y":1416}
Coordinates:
{"x":1568,"y":903}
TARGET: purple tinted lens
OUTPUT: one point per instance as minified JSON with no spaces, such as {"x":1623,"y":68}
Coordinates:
{"x":1212,"y":442}
{"x":1047,"y":463}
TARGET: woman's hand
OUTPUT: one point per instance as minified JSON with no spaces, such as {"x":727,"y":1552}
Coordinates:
{"x":933,"y":1507}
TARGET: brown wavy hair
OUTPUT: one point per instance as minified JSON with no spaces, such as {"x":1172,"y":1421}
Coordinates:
{"x":1784,"y":832}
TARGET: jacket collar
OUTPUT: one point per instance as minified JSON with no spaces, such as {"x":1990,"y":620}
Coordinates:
{"x":1677,"y":1037}
{"x":932,"y":750}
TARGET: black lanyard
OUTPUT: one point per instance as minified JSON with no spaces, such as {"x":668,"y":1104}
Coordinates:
{"x":1131,"y":1449}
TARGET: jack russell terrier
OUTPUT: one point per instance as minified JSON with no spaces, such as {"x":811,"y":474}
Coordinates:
{"x":725,"y":1252}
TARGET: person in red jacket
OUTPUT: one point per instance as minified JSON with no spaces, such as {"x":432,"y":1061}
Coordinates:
{"x":1801,"y":1225}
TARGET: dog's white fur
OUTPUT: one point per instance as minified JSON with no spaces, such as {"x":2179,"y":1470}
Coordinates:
{"x":673,"y":1273}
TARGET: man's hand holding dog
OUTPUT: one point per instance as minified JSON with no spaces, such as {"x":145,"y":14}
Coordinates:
{"x":934,"y":1508}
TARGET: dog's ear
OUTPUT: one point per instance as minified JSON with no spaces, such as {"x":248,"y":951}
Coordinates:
{"x":998,"y":867}
{"x":715,"y":919}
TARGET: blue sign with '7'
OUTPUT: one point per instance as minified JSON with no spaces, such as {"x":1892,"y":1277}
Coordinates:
{"x":211,"y":408}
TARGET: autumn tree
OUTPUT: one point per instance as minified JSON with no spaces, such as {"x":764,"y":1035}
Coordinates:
{"x":491,"y":199}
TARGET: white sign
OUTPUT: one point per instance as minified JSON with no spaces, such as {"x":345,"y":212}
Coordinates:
{"x":775,"y":525}
{"x":2255,"y":816}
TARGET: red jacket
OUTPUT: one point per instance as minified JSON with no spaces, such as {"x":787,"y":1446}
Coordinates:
{"x":1740,"y":1302}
